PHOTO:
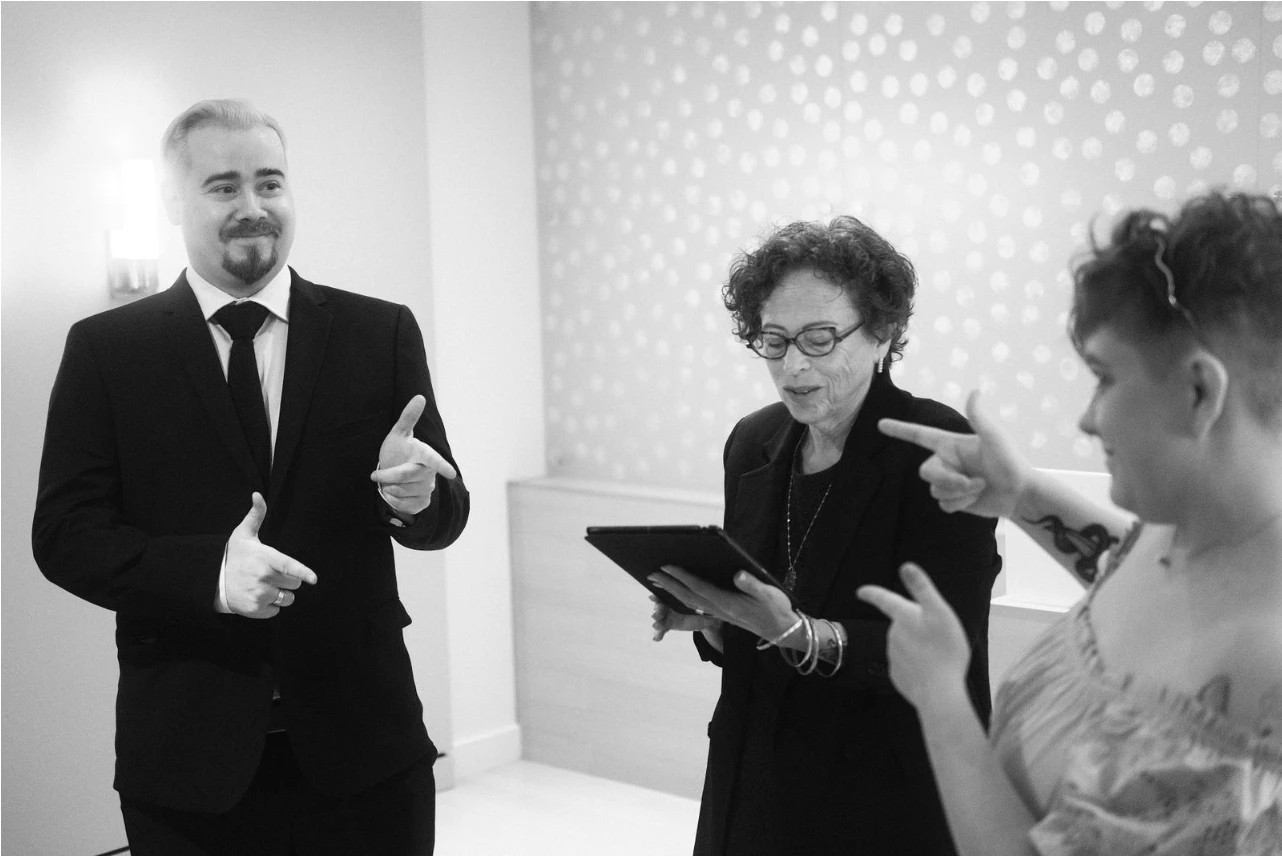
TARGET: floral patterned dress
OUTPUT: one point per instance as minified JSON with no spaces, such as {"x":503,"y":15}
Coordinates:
{"x":1113,"y":767}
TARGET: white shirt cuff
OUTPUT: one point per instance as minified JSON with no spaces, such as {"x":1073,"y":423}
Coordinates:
{"x":395,"y":521}
{"x":222,"y":585}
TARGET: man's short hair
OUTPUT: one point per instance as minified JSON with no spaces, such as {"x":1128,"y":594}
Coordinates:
{"x":235,"y":114}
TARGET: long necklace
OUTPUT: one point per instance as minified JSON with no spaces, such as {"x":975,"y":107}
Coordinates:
{"x":790,"y":578}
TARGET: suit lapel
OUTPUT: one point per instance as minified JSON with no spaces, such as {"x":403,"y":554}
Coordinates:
{"x":194,"y":350}
{"x":309,"y":325}
{"x":760,"y":497}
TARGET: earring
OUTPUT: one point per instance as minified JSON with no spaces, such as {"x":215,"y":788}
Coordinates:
{"x":881,"y":364}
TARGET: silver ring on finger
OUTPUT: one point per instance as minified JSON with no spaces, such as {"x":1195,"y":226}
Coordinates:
{"x":280,"y":598}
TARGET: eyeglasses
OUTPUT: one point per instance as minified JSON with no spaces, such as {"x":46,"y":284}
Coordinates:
{"x":813,"y":342}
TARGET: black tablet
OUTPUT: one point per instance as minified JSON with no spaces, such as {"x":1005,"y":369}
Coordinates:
{"x":705,"y":551}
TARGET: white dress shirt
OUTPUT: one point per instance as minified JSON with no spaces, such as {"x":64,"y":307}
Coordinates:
{"x":269,"y":354}
{"x":269,"y":344}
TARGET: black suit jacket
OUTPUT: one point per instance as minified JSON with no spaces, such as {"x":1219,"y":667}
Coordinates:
{"x":853,"y":774}
{"x":145,"y":473}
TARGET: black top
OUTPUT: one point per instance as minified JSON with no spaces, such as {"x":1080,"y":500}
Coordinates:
{"x":813,"y":765}
{"x":805,"y":500}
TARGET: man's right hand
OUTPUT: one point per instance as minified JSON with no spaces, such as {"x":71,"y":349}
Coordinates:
{"x":259,"y":580}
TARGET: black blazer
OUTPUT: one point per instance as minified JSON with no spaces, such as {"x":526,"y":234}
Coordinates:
{"x":145,"y":473}
{"x":852,"y":765}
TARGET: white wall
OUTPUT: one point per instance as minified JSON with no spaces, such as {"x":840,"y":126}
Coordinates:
{"x":86,"y":84}
{"x":485,"y":285}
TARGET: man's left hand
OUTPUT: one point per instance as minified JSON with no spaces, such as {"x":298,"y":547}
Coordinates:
{"x":407,"y":467}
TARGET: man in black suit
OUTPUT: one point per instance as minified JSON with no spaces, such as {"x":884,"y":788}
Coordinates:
{"x":207,"y":476}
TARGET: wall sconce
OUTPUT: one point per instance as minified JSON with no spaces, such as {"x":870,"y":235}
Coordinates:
{"x":133,"y":251}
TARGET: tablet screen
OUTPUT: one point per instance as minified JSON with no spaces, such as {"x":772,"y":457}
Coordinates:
{"x":705,"y":551}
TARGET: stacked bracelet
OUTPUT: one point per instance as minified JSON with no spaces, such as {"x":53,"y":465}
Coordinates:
{"x":764,"y":643}
{"x":811,"y":662}
{"x":839,"y":634}
{"x":807,"y":663}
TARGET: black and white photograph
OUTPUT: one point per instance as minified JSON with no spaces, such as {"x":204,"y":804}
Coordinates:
{"x":603,"y":428}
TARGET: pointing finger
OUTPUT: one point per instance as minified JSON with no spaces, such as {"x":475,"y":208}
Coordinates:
{"x":412,"y":472}
{"x":425,"y":454}
{"x":893,"y":605}
{"x":409,"y":416}
{"x":921,"y":588}
{"x":934,"y":439}
{"x":288,"y":567}
{"x":422,"y":457}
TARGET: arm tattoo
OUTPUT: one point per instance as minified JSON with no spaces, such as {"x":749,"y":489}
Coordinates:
{"x":1090,"y":542}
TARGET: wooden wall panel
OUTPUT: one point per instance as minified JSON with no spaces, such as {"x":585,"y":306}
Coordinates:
{"x":594,"y":693}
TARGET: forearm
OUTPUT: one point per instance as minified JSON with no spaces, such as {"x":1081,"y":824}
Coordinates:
{"x":985,"y":815}
{"x":441,"y":523}
{"x":1072,"y":528}
{"x":121,"y":568}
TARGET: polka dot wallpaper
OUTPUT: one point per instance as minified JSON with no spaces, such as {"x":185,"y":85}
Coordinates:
{"x":980,"y":138}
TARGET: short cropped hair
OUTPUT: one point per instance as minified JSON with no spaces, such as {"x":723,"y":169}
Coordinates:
{"x":235,"y":114}
{"x":1224,"y":255}
{"x":879,"y":281}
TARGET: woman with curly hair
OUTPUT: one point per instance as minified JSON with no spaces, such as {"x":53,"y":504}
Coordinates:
{"x":1149,"y":719}
{"x":812,"y":751}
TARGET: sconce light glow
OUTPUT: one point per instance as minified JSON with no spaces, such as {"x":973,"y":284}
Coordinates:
{"x":134,"y":249}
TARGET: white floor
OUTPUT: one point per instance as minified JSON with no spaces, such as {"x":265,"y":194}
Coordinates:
{"x":528,"y":809}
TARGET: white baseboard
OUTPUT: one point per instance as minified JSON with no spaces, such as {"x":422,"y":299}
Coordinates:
{"x":482,"y":752}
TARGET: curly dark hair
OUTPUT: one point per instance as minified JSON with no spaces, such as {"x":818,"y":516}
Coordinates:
{"x":1224,"y":253}
{"x":879,"y":280}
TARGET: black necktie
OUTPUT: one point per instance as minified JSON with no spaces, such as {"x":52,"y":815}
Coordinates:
{"x":242,"y":321}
